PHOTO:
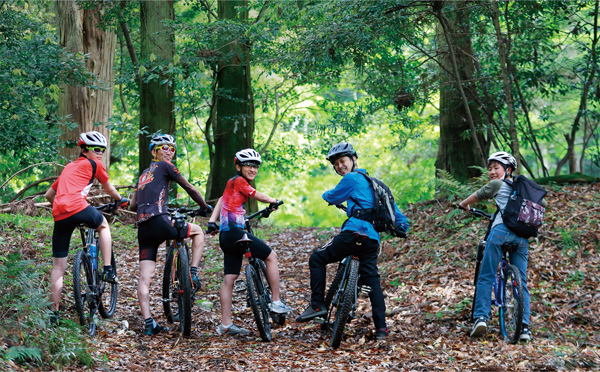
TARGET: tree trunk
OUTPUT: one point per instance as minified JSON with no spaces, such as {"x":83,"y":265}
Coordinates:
{"x":233,"y":127}
{"x":588,"y":79}
{"x":459,"y":146}
{"x":80,"y":105}
{"x":156,"y":98}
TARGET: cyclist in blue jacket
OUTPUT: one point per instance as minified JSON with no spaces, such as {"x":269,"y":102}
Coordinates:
{"x":358,"y":237}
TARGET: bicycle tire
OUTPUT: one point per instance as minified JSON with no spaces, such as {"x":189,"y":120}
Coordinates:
{"x":184,"y":301}
{"x":335,"y":284}
{"x":511,"y":311}
{"x":82,"y":280}
{"x":277,"y":318}
{"x":169,"y":300}
{"x":255,"y":294}
{"x":346,"y":304}
{"x":108,"y":301}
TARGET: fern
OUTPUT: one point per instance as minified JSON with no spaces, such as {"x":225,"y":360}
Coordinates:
{"x":23,"y":354}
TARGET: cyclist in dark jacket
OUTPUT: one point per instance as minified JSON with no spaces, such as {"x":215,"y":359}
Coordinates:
{"x":358,"y":237}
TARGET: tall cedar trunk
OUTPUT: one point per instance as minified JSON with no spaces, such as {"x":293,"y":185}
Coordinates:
{"x":233,"y":127}
{"x":86,"y":107}
{"x":457,"y":150}
{"x":156,"y":99}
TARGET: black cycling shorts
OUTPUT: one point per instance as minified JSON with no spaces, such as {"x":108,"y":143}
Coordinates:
{"x":233,"y":254}
{"x":153,"y":232}
{"x":63,"y":229}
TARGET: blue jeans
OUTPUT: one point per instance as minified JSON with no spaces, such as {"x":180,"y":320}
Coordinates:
{"x":492,"y":255}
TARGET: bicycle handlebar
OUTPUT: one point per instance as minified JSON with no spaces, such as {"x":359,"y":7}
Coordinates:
{"x":266,"y":212}
{"x":192,"y":212}
{"x":110,"y":207}
{"x":340,"y":206}
{"x":477,"y":212}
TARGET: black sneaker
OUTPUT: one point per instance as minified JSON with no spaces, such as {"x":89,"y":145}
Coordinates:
{"x":196,"y":283}
{"x":151,"y":330}
{"x":479,"y":328}
{"x":311,"y":313}
{"x":525,"y":333}
{"x":382,"y":333}
{"x":110,"y":276}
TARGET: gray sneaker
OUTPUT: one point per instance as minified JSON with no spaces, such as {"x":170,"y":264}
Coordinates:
{"x":232,"y":330}
{"x":479,"y":328}
{"x":525,"y":334}
{"x":280,"y":308}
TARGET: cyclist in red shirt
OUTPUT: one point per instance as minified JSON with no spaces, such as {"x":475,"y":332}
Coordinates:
{"x":150,"y":200}
{"x":67,"y":195}
{"x":230,"y":210}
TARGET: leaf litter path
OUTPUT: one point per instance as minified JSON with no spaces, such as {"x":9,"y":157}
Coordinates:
{"x":427,"y":283}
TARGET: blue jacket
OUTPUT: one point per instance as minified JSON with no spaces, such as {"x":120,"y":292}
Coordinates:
{"x":355,"y":187}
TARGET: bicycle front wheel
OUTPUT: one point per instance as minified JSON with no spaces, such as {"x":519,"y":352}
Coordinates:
{"x":258,"y":303}
{"x":108,"y":293}
{"x":170,"y":288}
{"x":278,"y":319}
{"x":345,"y":305}
{"x":184,"y":299}
{"x":83,"y":287}
{"x":511,"y":311}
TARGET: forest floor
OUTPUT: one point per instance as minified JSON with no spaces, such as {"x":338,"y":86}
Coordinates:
{"x":427,"y":282}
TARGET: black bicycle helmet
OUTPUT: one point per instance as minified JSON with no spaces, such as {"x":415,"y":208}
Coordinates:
{"x":340,"y":150}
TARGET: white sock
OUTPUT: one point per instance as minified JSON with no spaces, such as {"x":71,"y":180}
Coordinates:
{"x":226,"y":326}
{"x":278,"y":302}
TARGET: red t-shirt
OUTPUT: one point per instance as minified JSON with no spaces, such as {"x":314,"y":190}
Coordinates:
{"x":237,"y":192}
{"x":73,"y":186}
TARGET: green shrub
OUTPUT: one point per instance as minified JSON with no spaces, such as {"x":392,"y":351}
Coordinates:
{"x":24,"y":315}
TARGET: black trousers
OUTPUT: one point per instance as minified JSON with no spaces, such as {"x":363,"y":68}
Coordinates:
{"x":342,"y":245}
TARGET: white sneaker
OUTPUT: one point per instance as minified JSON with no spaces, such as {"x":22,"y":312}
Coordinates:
{"x":279,"y":307}
{"x":479,"y":328}
{"x":232,"y":330}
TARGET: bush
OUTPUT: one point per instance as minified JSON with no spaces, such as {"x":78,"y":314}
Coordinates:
{"x":26,"y":335}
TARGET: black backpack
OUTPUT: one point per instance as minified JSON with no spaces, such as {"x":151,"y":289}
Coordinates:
{"x":523,"y":213}
{"x":383,"y":215}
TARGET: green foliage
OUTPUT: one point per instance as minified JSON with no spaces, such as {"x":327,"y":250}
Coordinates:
{"x":24,"y":315}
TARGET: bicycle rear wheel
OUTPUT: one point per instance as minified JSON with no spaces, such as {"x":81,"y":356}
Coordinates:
{"x":108,"y":293}
{"x":330,"y":296}
{"x":511,"y":311}
{"x":184,"y":300}
{"x":346,"y":304}
{"x":83,"y":287}
{"x":278,"y":319}
{"x":258,"y":302}
{"x":170,"y":288}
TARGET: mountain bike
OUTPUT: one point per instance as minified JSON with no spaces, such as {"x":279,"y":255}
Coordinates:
{"x":258,"y":291}
{"x":88,"y":285}
{"x":342,"y":297}
{"x":508,"y":288}
{"x":177,"y":280}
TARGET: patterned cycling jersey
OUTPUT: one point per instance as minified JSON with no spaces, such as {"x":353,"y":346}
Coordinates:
{"x":236,"y":194}
{"x":73,"y":186}
{"x":153,"y":189}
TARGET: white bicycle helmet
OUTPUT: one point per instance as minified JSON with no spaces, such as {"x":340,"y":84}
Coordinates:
{"x":505,"y":158}
{"x":340,"y":150}
{"x":92,"y":138}
{"x":162,"y":139}
{"x":247,"y":156}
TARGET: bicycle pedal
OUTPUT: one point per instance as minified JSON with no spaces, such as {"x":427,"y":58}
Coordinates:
{"x":239,"y":285}
{"x":365,"y":289}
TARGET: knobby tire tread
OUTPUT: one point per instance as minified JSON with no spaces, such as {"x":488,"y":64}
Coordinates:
{"x":111,"y":296}
{"x":185,"y":282}
{"x":169,"y":307}
{"x":254,"y":298}
{"x":345,"y":305}
{"x":512,"y":332}
{"x":82,"y":270}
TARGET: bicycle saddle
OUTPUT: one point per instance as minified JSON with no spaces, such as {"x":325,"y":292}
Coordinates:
{"x":244,"y":239}
{"x":509,"y":247}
